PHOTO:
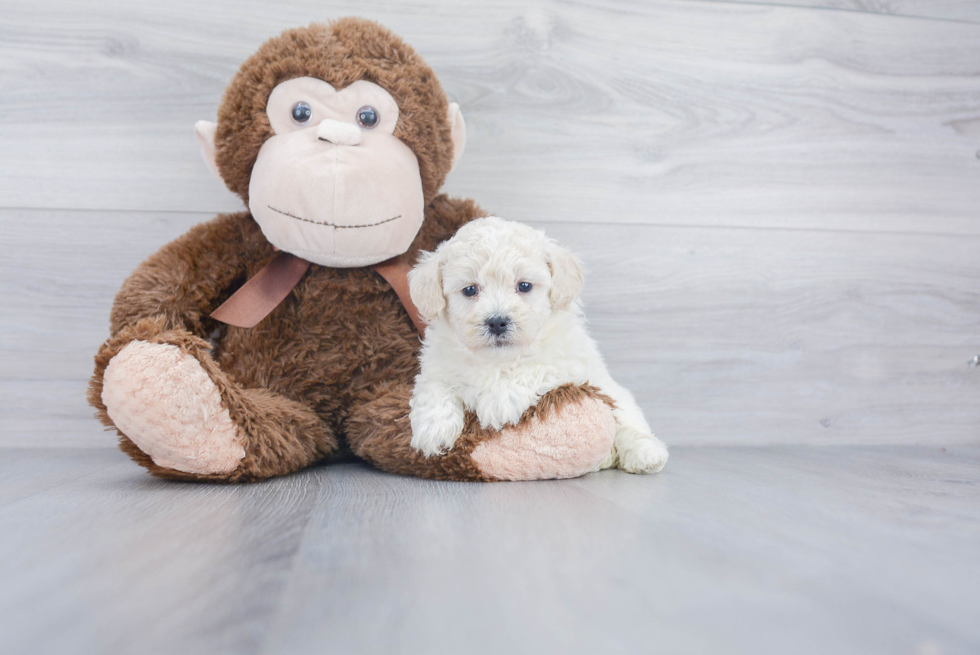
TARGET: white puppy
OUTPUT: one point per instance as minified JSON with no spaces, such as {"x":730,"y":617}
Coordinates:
{"x":504,"y":327}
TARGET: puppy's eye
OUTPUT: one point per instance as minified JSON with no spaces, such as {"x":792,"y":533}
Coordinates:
{"x":470,"y":291}
{"x":302,"y":112}
{"x":368,"y":117}
{"x":524,"y":287}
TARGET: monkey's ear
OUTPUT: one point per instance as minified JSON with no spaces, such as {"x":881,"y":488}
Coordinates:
{"x":204,"y":131}
{"x":567,"y":276}
{"x":458,"y":128}
{"x":425,"y":286}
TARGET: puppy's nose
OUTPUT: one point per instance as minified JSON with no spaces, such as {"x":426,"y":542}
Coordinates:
{"x":338,"y":132}
{"x":498,"y":324}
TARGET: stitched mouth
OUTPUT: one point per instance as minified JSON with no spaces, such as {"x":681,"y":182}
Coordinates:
{"x":339,"y":227}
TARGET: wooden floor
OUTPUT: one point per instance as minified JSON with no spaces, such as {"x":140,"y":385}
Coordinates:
{"x":787,"y":549}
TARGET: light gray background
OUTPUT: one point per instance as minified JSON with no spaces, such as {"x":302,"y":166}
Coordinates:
{"x":779,"y":207}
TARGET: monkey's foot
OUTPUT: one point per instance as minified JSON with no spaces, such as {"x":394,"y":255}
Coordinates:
{"x":567,"y":434}
{"x":570,"y":440}
{"x":165,"y":402}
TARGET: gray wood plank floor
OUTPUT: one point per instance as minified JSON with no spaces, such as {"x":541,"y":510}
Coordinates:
{"x":730,"y":550}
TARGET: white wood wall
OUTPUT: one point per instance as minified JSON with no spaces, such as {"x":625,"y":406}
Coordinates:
{"x":779,"y":205}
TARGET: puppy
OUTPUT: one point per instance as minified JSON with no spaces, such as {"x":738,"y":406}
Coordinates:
{"x":504,"y":327}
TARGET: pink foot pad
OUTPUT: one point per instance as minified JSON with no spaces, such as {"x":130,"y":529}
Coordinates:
{"x":165,"y":402}
{"x":571,"y":441}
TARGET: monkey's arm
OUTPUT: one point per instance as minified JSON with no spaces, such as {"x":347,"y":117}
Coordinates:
{"x":177,"y":413}
{"x":181,"y":284}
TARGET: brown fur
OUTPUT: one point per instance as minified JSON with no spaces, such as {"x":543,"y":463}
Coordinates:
{"x":331,"y":367}
{"x":290,"y":381}
{"x":340,"y":53}
{"x":381,"y":433}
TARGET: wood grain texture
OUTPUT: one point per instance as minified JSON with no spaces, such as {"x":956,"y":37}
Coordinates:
{"x":115,"y":562}
{"x":954,"y":10}
{"x":724,"y":335}
{"x":25,"y":473}
{"x":730,"y":550}
{"x":691,"y":113}
{"x":778,"y":207}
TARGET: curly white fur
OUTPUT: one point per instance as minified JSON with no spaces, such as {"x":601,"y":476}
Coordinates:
{"x":467,"y":365}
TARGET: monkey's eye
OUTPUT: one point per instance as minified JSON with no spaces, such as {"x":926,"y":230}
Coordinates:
{"x":470,"y":291}
{"x":302,"y":112}
{"x":368,"y":117}
{"x":524,"y":287}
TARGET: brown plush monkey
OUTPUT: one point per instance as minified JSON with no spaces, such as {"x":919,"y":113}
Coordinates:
{"x":338,"y":138}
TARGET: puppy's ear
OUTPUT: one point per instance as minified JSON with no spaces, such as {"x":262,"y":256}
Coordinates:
{"x":425,"y":286}
{"x":566,"y":276}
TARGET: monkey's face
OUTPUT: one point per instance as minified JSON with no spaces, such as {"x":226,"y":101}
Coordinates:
{"x":334,"y":185}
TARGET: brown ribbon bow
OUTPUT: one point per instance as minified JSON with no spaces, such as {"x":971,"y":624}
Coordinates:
{"x":266,"y":289}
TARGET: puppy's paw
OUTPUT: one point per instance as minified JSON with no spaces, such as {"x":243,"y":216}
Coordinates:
{"x":504,"y":405}
{"x":435,"y":429}
{"x":646,"y":454}
{"x":608,"y":462}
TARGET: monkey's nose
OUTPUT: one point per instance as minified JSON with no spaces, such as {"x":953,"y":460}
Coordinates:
{"x":498,"y":324}
{"x":338,"y":132}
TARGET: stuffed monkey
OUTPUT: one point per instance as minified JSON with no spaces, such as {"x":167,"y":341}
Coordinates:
{"x":262,"y":342}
